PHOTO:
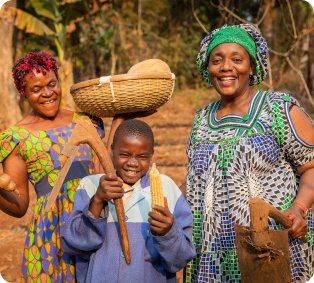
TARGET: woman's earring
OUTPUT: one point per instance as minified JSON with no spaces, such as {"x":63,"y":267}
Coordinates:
{"x":251,"y":79}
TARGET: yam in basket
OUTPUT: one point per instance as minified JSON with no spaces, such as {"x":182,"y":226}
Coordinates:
{"x":146,"y":86}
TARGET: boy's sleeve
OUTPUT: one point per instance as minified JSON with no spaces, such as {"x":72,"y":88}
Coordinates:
{"x":82,"y":234}
{"x":176,"y":247}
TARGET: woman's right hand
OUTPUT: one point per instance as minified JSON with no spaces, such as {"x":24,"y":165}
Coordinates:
{"x":14,"y":192}
{"x":298,"y":229}
{"x":6,"y":182}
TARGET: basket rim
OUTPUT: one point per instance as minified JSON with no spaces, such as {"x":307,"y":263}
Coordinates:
{"x":121,"y":78}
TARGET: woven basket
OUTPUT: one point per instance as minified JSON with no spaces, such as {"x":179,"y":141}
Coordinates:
{"x":127,"y":93}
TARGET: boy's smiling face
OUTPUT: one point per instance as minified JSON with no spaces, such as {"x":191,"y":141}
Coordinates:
{"x":131,"y":156}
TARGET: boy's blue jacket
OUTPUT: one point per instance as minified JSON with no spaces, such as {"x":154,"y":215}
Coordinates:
{"x":97,"y":244}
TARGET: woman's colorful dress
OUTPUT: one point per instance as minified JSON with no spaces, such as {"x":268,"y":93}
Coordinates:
{"x":231,"y":160}
{"x":43,"y":261}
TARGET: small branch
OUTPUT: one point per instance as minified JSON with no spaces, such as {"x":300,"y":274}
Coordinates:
{"x":293,"y":46}
{"x":282,"y":9}
{"x":292,"y":19}
{"x":277,"y":53}
{"x":233,"y":14}
{"x":298,"y":71}
{"x":264,"y":15}
{"x":197,"y":19}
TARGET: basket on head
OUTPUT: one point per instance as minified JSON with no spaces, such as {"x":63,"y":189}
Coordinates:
{"x":147,"y":85}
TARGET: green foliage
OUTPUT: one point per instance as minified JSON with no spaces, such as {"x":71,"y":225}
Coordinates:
{"x":108,"y":37}
{"x":30,"y":24}
{"x":46,"y":8}
{"x":74,"y":11}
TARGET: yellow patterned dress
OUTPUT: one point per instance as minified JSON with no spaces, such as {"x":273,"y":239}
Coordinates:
{"x":43,"y":260}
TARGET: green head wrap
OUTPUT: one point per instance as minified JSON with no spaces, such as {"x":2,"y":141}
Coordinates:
{"x":236,"y":35}
{"x":245,"y":35}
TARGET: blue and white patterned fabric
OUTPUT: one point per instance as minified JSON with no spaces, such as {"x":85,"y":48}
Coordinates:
{"x":231,"y":160}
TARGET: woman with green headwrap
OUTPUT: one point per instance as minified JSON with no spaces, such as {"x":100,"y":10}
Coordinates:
{"x":250,"y":143}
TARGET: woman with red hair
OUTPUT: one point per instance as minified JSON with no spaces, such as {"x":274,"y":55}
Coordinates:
{"x":29,"y":152}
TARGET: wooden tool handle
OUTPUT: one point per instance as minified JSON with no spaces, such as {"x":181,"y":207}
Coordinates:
{"x":260,"y":210}
{"x":106,"y":163}
{"x":93,"y":139}
{"x":66,"y":162}
{"x":85,"y":132}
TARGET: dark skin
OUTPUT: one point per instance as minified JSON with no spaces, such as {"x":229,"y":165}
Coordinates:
{"x":230,"y":67}
{"x":160,"y":224}
{"x":43,"y":93}
{"x":131,"y":157}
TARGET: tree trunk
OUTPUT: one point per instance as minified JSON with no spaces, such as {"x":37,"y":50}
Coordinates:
{"x":66,"y":79}
{"x":10,"y":111}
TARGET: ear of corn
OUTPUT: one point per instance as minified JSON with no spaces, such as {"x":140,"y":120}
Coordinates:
{"x":155,"y":187}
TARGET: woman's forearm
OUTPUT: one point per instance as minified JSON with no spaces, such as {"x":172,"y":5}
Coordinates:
{"x":305,"y":196}
{"x":12,"y":203}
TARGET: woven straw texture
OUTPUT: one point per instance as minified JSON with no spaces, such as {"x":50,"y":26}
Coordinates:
{"x":127,"y":93}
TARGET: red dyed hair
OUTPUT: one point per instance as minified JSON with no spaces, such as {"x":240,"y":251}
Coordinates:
{"x":41,"y":62}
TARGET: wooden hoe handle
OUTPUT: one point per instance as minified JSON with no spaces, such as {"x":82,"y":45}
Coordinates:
{"x":85,"y":132}
{"x":260,"y":210}
{"x":86,"y":129}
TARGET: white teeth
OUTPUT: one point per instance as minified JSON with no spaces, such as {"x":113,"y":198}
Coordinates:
{"x":50,"y":101}
{"x":227,"y":78}
{"x":131,"y":172}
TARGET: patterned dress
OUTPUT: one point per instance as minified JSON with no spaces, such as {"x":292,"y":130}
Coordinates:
{"x":43,"y":261}
{"x":231,"y":160}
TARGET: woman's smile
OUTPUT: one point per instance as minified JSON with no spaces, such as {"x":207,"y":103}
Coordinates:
{"x":230,"y":68}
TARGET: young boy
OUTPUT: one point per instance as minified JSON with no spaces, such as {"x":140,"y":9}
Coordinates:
{"x":160,"y":244}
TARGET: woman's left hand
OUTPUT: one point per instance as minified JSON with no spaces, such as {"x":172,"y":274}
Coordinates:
{"x":298,"y":229}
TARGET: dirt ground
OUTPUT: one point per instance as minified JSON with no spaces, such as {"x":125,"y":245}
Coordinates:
{"x":171,"y":126}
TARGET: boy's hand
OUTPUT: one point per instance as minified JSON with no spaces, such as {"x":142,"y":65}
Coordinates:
{"x":110,"y":187}
{"x":161,"y":223}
